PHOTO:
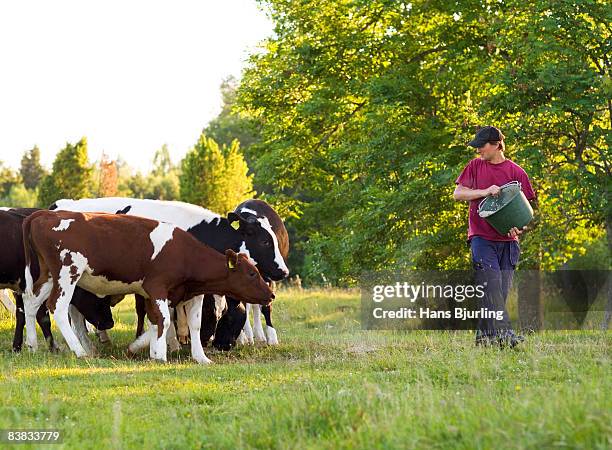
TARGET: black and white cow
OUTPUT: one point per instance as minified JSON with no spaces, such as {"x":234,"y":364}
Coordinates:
{"x":12,"y":267}
{"x":241,"y":232}
{"x":234,"y":325}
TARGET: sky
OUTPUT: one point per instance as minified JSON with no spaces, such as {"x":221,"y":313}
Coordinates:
{"x":129,"y":75}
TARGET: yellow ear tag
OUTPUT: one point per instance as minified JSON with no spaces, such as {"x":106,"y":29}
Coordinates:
{"x":231,"y":264}
{"x":235,"y":225}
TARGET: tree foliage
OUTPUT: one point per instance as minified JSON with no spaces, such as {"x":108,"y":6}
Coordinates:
{"x":214,"y":176}
{"x":553,"y":89}
{"x":108,"y":177}
{"x":31,"y":169}
{"x":13,"y":193}
{"x":71,"y":176}
{"x":20,"y":197}
{"x":366,"y":108}
{"x":162,"y":163}
{"x":161,"y":183}
{"x":230,"y":124}
{"x":8,"y":179}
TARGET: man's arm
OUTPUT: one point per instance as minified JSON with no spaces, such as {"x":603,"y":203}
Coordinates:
{"x":466,"y":194}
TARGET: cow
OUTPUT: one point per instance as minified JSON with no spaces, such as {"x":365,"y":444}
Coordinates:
{"x":235,"y":320}
{"x":112,"y":254}
{"x":254,"y":237}
{"x":12,"y":268}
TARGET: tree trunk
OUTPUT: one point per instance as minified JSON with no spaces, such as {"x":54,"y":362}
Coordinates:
{"x":530,"y":308}
{"x":530,"y":300}
{"x":608,"y":314}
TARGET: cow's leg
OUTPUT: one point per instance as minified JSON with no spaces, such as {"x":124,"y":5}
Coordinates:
{"x":60,"y":297}
{"x":44,"y":322}
{"x":79,"y":326}
{"x":220,"y":306}
{"x":148,"y":337}
{"x":163,"y":323}
{"x":230,"y":325}
{"x":272,"y":338}
{"x":159,"y":315}
{"x":248,"y":331}
{"x":242,"y":338}
{"x":19,"y":323}
{"x":96,"y":311}
{"x":257,"y":328}
{"x":194,"y":317}
{"x":31,"y":304}
{"x":182,"y":324}
{"x":143,"y":340}
{"x":171,"y":340}
{"x":140,"y":314}
{"x":103,"y":336}
{"x":209,"y":319}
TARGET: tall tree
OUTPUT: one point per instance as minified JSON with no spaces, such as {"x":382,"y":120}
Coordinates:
{"x":162,"y":183}
{"x":553,"y":89}
{"x":237,"y":183}
{"x":215,"y":177}
{"x":162,"y":163}
{"x":31,"y":169}
{"x":70,"y":177}
{"x":108,"y":177}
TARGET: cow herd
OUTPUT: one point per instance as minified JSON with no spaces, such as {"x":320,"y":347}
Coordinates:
{"x":80,"y":258}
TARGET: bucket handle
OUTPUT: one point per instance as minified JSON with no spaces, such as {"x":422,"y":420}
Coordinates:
{"x":510,"y":183}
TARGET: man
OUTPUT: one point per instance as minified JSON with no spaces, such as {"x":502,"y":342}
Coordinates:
{"x":494,"y":256}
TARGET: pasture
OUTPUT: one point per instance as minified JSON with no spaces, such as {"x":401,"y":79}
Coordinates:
{"x":329,"y":384}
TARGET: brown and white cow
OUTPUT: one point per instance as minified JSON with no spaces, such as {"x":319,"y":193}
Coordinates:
{"x":110,"y":254}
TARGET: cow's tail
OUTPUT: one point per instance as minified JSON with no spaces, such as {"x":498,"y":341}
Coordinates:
{"x":29,"y":255}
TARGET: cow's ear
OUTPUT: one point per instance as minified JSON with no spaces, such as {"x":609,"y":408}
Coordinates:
{"x":235,"y":220}
{"x":242,"y":223}
{"x":232,"y":259}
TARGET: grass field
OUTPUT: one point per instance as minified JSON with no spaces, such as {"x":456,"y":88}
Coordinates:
{"x":328,"y":385}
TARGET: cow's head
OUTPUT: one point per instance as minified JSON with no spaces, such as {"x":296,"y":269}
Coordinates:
{"x":244,"y":280}
{"x":260,"y":244}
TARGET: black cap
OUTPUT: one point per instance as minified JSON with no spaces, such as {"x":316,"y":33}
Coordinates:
{"x":486,"y":134}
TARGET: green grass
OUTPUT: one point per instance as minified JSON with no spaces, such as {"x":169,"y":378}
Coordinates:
{"x":328,"y":385}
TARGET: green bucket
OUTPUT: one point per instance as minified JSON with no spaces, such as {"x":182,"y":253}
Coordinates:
{"x":509,"y":209}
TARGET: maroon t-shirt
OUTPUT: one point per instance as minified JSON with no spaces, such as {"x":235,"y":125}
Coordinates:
{"x":480,"y":174}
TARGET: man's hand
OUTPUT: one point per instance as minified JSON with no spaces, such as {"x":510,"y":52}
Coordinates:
{"x":493,"y":190}
{"x":514,"y":232}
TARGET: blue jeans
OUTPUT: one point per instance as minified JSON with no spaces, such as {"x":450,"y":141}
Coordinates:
{"x":494,"y":264}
